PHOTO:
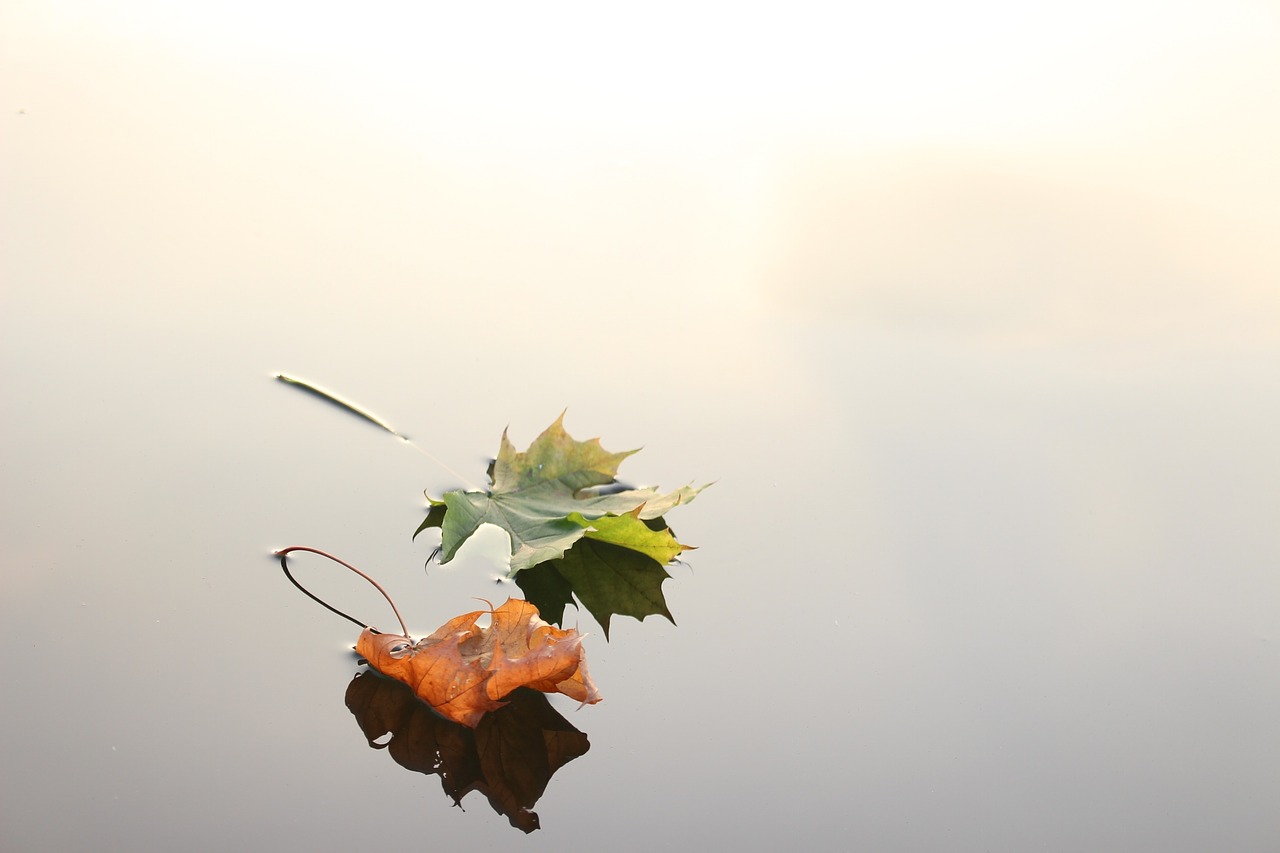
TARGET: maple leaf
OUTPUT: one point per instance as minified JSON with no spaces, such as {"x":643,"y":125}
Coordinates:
{"x":607,"y":580}
{"x":546,"y":499}
{"x":464,"y":671}
{"x":570,"y":536}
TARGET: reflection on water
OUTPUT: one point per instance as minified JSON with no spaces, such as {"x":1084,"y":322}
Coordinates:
{"x":509,"y":757}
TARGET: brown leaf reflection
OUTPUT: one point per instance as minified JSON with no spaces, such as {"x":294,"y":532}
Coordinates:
{"x":509,"y":757}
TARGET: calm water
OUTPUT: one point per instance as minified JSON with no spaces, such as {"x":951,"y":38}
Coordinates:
{"x":989,"y":564}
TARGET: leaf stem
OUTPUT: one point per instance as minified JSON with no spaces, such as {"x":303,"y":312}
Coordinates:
{"x":284,"y":552}
{"x":365,"y":414}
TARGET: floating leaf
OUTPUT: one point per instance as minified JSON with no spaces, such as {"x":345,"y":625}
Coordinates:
{"x":608,"y":579}
{"x":541,"y":497}
{"x":464,"y":671}
{"x":628,"y":531}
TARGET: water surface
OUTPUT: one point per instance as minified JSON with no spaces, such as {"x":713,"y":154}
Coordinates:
{"x":990,"y":404}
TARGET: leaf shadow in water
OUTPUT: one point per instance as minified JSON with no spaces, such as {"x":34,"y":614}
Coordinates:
{"x":509,"y":757}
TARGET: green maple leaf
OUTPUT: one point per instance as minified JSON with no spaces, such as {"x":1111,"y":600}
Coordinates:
{"x":631,"y":532}
{"x":568,"y":537}
{"x":544,"y":499}
{"x":608,"y":579}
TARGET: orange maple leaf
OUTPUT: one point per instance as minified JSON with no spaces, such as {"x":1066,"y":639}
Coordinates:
{"x":464,"y":671}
